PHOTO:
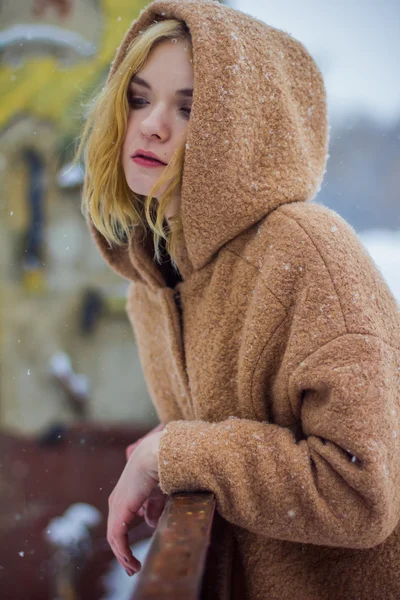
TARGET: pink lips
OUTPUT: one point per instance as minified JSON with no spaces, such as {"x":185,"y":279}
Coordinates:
{"x":146,"y":162}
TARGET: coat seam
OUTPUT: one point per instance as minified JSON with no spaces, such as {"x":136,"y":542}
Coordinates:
{"x":342,"y":335}
{"x":286,"y":308}
{"x":325,"y":264}
{"x":265,"y":347}
{"x":179,"y":338}
{"x":350,"y":333}
{"x":364,"y":335}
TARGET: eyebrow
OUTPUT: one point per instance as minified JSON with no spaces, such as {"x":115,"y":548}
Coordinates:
{"x":139,"y":81}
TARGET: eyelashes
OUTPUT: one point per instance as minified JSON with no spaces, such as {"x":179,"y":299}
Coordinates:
{"x":135,"y":103}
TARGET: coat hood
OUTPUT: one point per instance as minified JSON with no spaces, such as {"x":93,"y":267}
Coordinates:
{"x":258,"y":131}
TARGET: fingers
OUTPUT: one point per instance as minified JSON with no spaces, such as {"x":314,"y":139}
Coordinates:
{"x":143,"y":508}
{"x":132,"y":490}
{"x":154,"y":507}
{"x":154,"y":511}
{"x":117,"y":536}
{"x":134,"y":487}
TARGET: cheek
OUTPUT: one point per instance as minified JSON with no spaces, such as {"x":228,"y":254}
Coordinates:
{"x":129,"y":137}
{"x":125,"y":149}
{"x":125,"y":156}
{"x":184,"y":131}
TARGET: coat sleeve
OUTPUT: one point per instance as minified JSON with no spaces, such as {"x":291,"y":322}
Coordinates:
{"x":338,"y":486}
{"x":338,"y":482}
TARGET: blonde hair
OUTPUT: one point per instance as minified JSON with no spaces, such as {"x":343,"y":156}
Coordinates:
{"x":107,"y":199}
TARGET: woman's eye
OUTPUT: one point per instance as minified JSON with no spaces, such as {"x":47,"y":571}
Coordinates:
{"x":135,"y":101}
{"x":186,"y":110}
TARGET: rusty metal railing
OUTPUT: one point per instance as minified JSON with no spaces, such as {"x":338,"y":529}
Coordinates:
{"x":173,"y":569}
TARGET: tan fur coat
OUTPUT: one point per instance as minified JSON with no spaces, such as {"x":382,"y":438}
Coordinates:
{"x":280,"y":377}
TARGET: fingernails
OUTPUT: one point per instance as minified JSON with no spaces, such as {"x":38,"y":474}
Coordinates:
{"x":125,"y":559}
{"x":127,"y":572}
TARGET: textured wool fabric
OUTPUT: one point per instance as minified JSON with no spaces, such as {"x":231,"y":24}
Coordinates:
{"x":280,"y":383}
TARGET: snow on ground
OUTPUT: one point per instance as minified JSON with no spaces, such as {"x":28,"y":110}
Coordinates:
{"x":384,"y":248}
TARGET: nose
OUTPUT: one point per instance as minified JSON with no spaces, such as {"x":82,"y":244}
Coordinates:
{"x":155,"y":124}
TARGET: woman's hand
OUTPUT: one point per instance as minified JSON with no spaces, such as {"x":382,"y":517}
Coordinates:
{"x":136,"y":484}
{"x":132,"y":447}
{"x":153,"y":508}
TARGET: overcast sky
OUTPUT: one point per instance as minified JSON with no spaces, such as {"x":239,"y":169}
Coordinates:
{"x":356,"y":44}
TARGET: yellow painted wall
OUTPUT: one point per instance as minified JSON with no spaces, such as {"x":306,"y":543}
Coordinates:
{"x":44,"y":89}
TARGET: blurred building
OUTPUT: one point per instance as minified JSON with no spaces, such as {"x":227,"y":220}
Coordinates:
{"x":57,"y":297}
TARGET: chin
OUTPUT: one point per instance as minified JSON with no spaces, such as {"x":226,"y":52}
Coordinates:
{"x":140,"y":187}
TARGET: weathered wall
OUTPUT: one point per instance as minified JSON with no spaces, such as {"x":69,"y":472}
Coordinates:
{"x":42,"y":89}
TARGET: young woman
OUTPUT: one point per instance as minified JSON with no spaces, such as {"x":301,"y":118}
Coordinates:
{"x":268,"y":338}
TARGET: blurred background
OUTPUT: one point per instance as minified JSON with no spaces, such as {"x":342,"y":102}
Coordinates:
{"x":62,"y":309}
{"x":68,"y":360}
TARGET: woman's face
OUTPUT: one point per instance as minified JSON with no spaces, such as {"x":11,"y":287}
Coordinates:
{"x":160,"y":99}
